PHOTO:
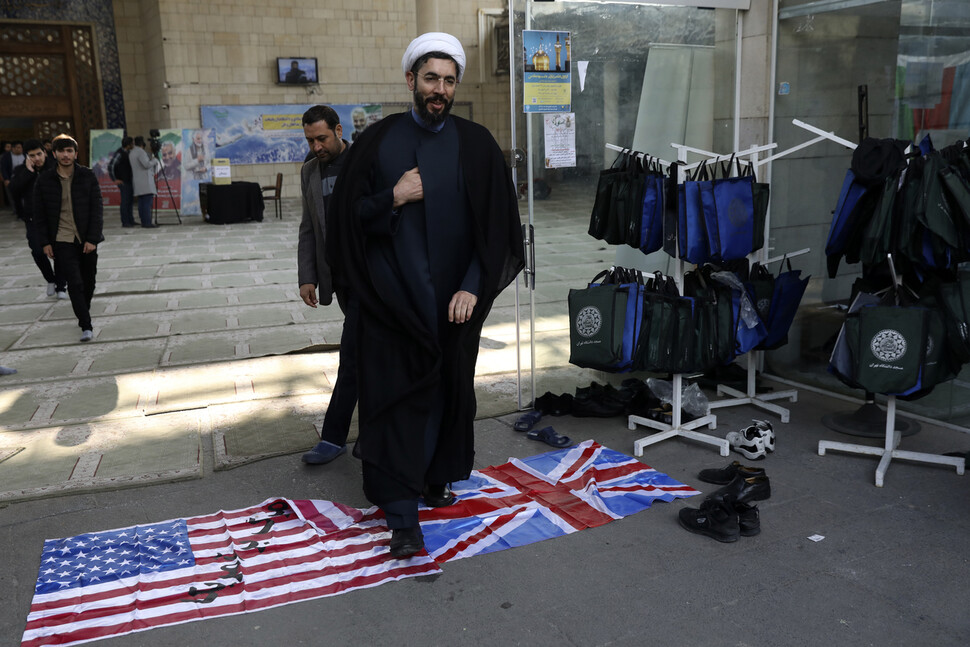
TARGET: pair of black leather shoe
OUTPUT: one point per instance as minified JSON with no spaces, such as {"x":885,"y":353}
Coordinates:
{"x":742,"y":484}
{"x":722,"y":519}
{"x":729,"y":512}
{"x":551,"y":404}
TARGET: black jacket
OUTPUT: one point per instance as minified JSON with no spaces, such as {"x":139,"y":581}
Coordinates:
{"x":22,"y":184}
{"x":119,"y":166}
{"x":85,"y":199}
{"x":22,"y":188}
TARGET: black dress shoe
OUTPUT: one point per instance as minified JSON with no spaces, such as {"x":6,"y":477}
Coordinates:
{"x":745,"y":489}
{"x":438,"y":496}
{"x":406,"y":541}
{"x":725,"y":475}
{"x":716,"y":518}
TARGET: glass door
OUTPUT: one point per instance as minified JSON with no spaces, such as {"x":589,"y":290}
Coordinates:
{"x":639,"y":76}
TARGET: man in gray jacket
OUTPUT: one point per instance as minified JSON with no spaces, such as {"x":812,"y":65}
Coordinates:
{"x":143,"y":170}
{"x":323,"y":132}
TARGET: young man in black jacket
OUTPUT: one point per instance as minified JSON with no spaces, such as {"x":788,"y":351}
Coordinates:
{"x":22,"y":186}
{"x":68,"y":222}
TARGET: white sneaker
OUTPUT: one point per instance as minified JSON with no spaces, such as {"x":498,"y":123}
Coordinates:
{"x":50,"y":289}
{"x":87,"y":335}
{"x":747,"y":442}
{"x":767,"y":433}
{"x":62,"y":294}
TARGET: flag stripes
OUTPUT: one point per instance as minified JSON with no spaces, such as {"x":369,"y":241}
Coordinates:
{"x":241,"y":564}
{"x":129,"y":580}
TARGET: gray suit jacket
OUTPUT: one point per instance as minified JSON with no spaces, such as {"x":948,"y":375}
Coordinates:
{"x":311,"y":253}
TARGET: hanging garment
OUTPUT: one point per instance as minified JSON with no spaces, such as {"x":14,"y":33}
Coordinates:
{"x":844,"y":220}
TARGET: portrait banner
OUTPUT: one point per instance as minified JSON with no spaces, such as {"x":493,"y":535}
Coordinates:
{"x":103,"y":145}
{"x":198,"y":145}
{"x":168,"y":180}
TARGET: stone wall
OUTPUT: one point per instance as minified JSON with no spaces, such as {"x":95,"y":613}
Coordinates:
{"x":177,"y":56}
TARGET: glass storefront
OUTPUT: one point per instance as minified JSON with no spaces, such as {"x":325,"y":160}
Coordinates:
{"x":642,"y":76}
{"x":882,"y":68}
{"x":648,"y":75}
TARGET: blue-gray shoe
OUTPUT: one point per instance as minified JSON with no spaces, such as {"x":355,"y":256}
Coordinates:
{"x":324,"y":452}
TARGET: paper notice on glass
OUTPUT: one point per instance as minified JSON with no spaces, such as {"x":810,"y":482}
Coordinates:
{"x":560,"y":133}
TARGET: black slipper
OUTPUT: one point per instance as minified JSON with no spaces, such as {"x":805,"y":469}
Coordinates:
{"x":549,"y":436}
{"x":527,"y":420}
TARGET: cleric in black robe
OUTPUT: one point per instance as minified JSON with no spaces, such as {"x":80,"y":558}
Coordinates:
{"x":443,"y":252}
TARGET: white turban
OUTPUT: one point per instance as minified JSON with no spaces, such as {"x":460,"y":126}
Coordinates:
{"x":434,"y":41}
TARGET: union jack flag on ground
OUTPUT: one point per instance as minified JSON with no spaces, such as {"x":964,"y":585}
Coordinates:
{"x":282,"y":551}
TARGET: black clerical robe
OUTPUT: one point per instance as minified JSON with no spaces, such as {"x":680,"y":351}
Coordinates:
{"x":404,"y":268}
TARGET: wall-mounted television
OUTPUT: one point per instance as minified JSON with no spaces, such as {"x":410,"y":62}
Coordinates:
{"x":296,"y":70}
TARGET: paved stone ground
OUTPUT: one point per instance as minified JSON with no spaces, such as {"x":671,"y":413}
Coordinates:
{"x":190,"y":325}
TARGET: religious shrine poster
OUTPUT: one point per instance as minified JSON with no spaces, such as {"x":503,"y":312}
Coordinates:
{"x":546,"y":82}
{"x":104,"y":143}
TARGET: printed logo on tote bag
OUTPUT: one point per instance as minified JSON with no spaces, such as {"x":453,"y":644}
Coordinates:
{"x":589,"y":321}
{"x":888,"y":345}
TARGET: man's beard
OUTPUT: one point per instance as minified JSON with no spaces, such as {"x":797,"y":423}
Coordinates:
{"x":431,"y":118}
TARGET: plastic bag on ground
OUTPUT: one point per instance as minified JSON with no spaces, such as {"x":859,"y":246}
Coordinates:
{"x":692,"y":401}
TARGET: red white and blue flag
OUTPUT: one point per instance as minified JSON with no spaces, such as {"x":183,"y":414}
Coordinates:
{"x":118,"y":582}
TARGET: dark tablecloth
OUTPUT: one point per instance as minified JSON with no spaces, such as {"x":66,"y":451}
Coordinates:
{"x":236,"y":202}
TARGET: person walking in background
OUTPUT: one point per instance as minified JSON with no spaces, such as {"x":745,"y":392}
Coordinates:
{"x":143,"y":170}
{"x":68,"y":221}
{"x":119,"y":169}
{"x":424,"y":231}
{"x":22,"y":187}
{"x":9,"y":160}
{"x":323,"y":132}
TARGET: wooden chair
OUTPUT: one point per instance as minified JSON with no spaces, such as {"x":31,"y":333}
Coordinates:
{"x":277,"y":195}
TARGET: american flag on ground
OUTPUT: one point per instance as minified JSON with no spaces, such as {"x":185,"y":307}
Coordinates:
{"x":118,"y":582}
